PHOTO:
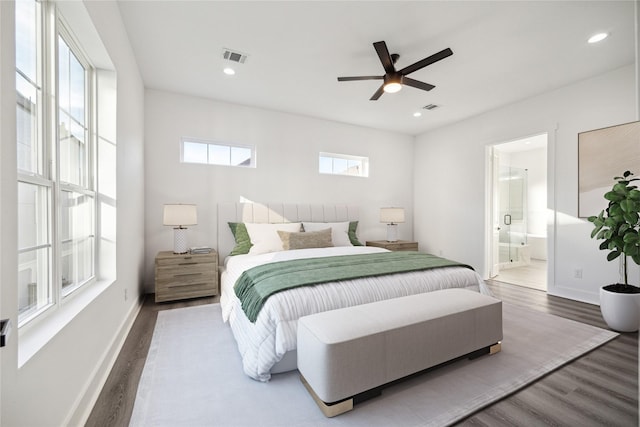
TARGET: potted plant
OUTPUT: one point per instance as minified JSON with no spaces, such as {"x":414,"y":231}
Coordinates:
{"x":619,"y":227}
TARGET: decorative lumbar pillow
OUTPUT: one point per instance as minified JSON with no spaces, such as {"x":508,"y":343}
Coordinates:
{"x":306,"y":240}
{"x":240,"y":234}
{"x":339,"y":231}
{"x":264,"y":237}
{"x":353,"y":226}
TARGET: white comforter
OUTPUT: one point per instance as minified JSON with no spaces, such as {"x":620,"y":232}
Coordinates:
{"x":263,"y":343}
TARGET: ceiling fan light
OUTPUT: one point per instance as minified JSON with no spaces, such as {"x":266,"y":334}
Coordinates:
{"x":392,"y":87}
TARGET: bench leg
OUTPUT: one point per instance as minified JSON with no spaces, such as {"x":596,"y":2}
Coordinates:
{"x":495,"y":348}
{"x":329,"y":410}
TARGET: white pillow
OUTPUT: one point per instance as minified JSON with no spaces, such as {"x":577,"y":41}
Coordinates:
{"x":265,"y":238}
{"x":339,"y":231}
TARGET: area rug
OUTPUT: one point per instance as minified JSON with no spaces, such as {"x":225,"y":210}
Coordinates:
{"x":193,"y":377}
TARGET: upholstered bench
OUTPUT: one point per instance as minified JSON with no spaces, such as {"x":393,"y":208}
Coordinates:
{"x":347,"y":355}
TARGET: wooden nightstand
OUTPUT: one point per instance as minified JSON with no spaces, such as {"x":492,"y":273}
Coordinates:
{"x":181,"y":276}
{"x":400,"y":245}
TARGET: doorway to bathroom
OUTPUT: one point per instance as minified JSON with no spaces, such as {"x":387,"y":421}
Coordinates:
{"x":518,"y":245}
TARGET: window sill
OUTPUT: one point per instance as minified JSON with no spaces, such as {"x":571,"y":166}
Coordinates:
{"x":33,"y":337}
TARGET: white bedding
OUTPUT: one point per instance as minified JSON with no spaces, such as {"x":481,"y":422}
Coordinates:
{"x":265,"y":342}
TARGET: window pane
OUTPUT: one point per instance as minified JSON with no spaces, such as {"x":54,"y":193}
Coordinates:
{"x":219,"y":154}
{"x":27,"y":85}
{"x":27,"y":126}
{"x":339,"y":166}
{"x":77,"y":238}
{"x":34,"y":290}
{"x":72,"y":130}
{"x":326,"y":164}
{"x":240,"y":156}
{"x":76,"y":90}
{"x":354,"y":167}
{"x":33,"y":214}
{"x":27,"y":12}
{"x":194,"y":152}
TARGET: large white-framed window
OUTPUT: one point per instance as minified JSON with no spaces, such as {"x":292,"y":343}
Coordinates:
{"x":217,"y":153}
{"x":55,"y":140}
{"x":343,"y":164}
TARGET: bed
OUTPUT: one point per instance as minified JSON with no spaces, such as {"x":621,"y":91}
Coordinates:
{"x":267,"y":343}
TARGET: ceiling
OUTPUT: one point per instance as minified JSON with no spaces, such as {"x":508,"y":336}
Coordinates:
{"x":503,"y":52}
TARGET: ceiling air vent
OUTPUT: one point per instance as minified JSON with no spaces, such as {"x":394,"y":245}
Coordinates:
{"x":431,"y":107}
{"x":234,"y":56}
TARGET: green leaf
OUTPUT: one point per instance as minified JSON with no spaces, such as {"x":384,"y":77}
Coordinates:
{"x":612,"y":221}
{"x":630,"y":249}
{"x":613,"y":196}
{"x":598,"y":231}
{"x":621,"y":188}
{"x":613,"y":255}
{"x":615,"y":210}
{"x":634,"y":194}
{"x":631,"y":217}
{"x":623,"y":229}
{"x":628,"y":205}
{"x":630,"y":237}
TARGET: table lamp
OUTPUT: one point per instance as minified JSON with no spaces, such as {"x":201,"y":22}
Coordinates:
{"x":392,"y":216}
{"x":180,"y":215}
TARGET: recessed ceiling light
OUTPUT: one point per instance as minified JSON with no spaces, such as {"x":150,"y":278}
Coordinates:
{"x":597,"y":37}
{"x":229,"y":71}
{"x":417,"y":114}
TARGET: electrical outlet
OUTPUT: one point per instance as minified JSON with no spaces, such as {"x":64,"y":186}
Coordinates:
{"x":577,"y":273}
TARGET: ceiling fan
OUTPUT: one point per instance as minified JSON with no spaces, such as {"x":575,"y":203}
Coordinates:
{"x":393,"y":80}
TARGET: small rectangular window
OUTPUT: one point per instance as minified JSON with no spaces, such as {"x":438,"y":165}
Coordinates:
{"x":343,"y":164}
{"x":217,"y":154}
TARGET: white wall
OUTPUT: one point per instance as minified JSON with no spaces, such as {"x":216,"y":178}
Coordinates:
{"x":287,"y":157}
{"x":450,"y":178}
{"x":58,"y":385}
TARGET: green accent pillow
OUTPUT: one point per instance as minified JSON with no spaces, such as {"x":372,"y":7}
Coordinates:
{"x":353,"y":226}
{"x":243,"y":242}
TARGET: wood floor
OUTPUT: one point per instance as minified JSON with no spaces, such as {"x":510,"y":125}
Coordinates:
{"x":598,"y":389}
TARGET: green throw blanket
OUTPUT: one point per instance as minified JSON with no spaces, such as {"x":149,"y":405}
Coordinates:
{"x":258,"y":283}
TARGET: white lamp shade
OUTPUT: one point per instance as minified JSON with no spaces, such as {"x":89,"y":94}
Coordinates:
{"x":392,"y":215}
{"x":180,"y":215}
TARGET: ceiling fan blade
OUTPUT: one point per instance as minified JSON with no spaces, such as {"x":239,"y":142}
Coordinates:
{"x":426,"y":61}
{"x":385,"y":58}
{"x":416,"y":83}
{"x":349,"y":79}
{"x":378,"y":94}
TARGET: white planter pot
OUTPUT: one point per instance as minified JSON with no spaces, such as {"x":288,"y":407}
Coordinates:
{"x":620,"y":311}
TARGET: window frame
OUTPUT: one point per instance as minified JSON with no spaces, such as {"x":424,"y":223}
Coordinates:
{"x":231,"y":146}
{"x":52,"y":28}
{"x":364,"y":173}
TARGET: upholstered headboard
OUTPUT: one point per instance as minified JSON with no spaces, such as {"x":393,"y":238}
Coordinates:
{"x":275,"y":213}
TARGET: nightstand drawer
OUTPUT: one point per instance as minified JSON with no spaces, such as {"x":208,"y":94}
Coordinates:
{"x":163,"y":272}
{"x":184,"y":260}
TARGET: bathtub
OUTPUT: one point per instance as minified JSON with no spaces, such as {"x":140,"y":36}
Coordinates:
{"x":535,"y":247}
